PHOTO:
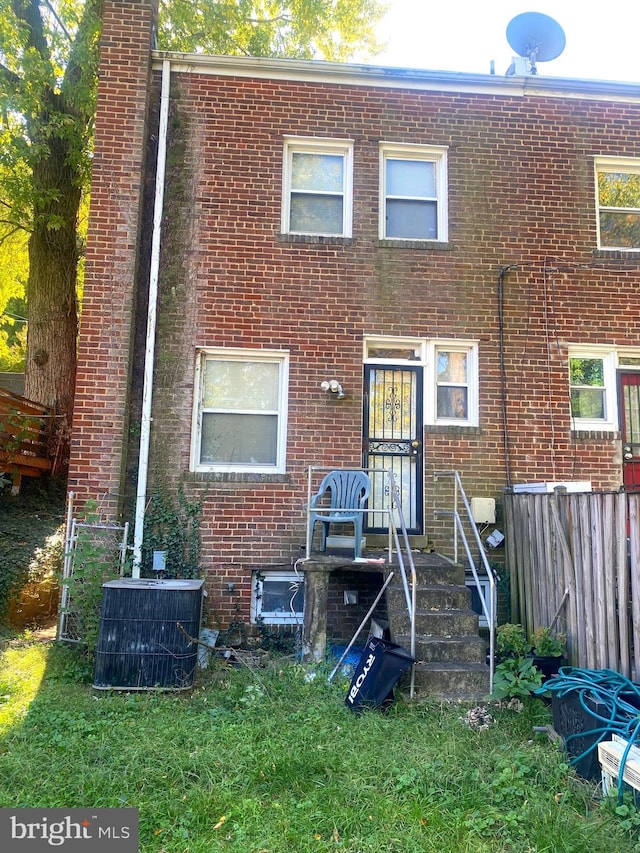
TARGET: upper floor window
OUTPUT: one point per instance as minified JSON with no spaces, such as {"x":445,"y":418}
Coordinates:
{"x":317,"y":187}
{"x":413,"y":192}
{"x":240,"y":411}
{"x":618,"y":193}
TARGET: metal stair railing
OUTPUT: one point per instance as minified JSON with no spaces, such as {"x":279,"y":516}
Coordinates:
{"x":394,"y":543}
{"x":458,"y":530}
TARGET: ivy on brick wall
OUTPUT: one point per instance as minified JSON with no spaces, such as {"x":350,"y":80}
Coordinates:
{"x":172,"y":524}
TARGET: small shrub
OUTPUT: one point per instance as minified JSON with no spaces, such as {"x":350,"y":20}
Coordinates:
{"x":511,"y":641}
{"x":516,"y":678}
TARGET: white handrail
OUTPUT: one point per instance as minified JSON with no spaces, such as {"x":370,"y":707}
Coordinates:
{"x":489,"y":612}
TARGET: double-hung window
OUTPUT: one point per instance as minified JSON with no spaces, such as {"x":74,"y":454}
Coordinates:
{"x":317,"y":187}
{"x":454,"y":389}
{"x":618,"y":194}
{"x":240,"y":411}
{"x":592,"y":388}
{"x":413,"y":192}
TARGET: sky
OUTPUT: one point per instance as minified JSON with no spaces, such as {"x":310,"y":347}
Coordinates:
{"x":602,"y":39}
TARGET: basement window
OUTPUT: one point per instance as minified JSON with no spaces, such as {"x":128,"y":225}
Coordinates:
{"x":277,"y":598}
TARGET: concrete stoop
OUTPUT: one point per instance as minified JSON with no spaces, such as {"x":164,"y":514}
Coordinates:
{"x":450,"y":653}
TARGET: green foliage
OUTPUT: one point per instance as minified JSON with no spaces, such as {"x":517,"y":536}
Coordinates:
{"x":546,"y":643}
{"x":511,"y":640}
{"x":172,"y":524}
{"x":29,"y":535}
{"x":515,"y":678}
{"x":302,"y":29}
{"x":94,"y":562}
{"x":13,"y":278}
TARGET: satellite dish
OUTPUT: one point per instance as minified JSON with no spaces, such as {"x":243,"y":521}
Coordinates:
{"x":536,"y":37}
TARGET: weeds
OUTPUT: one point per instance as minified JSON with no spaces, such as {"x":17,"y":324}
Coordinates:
{"x":280,"y":764}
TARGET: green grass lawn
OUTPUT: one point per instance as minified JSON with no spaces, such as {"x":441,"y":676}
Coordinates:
{"x":272,"y":761}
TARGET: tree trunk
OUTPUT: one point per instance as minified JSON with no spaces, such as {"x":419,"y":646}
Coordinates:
{"x":51,"y":286}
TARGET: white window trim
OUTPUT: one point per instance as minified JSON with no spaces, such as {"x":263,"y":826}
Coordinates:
{"x":610,"y":364}
{"x":313,"y":145}
{"x":470,"y":348}
{"x":612,"y":164}
{"x":425,"y":351}
{"x":271,"y":617}
{"x":406,"y":151}
{"x":229,"y":354}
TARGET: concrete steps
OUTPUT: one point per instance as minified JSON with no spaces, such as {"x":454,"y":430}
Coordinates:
{"x":450,"y":653}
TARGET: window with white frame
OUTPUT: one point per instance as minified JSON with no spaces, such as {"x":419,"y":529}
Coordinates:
{"x":317,"y":187}
{"x":240,"y":411}
{"x":592,"y":388}
{"x":413,"y":192}
{"x":451,"y":383}
{"x":618,"y":195}
{"x":277,"y":598}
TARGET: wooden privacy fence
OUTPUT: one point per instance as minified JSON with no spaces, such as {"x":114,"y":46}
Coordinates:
{"x":575,"y":558}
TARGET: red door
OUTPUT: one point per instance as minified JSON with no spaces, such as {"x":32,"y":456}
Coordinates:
{"x":629,"y":384}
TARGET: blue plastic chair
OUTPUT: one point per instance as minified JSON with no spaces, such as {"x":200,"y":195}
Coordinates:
{"x":348,"y":490}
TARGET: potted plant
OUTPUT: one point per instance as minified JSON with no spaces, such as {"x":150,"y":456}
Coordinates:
{"x":549,"y":649}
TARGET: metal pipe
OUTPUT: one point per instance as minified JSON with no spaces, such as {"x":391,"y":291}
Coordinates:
{"x":147,"y":393}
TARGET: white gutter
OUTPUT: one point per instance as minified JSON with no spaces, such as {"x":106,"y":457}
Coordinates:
{"x":147,"y":393}
{"x":319,"y":71}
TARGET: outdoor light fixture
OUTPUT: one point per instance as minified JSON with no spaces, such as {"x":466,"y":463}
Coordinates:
{"x":334,"y":387}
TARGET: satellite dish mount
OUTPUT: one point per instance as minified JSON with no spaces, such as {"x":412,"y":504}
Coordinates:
{"x":536,"y":38}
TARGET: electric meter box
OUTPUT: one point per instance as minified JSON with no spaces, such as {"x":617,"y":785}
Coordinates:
{"x":483,"y":510}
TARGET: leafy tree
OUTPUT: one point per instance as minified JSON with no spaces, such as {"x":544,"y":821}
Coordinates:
{"x":13,"y":276}
{"x":337,"y":30}
{"x":48,"y":70}
{"x":48,"y":63}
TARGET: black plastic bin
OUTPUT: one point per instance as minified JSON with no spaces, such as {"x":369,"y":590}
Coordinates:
{"x":379,"y":669}
{"x":580,"y":729}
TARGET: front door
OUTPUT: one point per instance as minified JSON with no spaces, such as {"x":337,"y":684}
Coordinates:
{"x":629,"y":386}
{"x":393,"y":440}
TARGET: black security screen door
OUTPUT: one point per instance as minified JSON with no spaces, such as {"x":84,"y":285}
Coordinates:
{"x":393,"y":440}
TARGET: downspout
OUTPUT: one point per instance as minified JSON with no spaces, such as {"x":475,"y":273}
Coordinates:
{"x":147,"y":392}
{"x":503,"y":373}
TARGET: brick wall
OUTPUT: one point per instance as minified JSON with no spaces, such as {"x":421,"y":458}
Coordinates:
{"x":101,"y":411}
{"x":521,"y":196}
{"x":521,"y":193}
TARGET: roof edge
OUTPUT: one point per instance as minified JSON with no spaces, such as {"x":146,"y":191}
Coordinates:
{"x":348,"y":74}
